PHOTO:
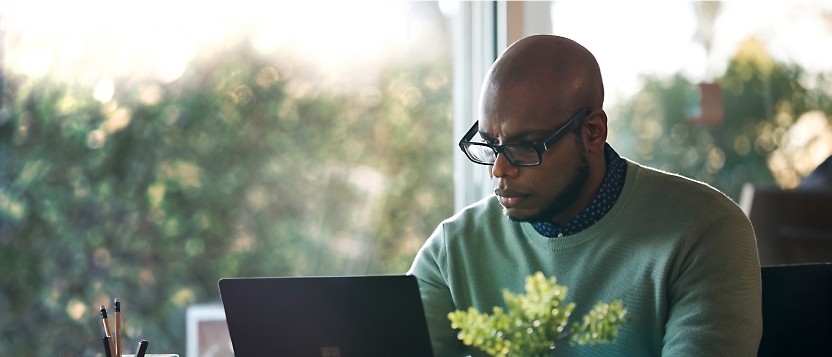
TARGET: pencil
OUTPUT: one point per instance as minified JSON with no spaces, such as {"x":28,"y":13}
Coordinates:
{"x":107,"y":328}
{"x":107,"y":352}
{"x":142,"y":349}
{"x":112,"y":345}
{"x":117,"y":335}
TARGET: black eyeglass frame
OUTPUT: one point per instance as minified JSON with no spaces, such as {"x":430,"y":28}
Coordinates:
{"x":540,"y":148}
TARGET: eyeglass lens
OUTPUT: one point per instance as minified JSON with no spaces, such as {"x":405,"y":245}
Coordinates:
{"x":516,"y":154}
{"x":483,"y":154}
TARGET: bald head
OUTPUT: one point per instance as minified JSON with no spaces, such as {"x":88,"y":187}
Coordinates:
{"x":545,"y":74}
{"x":530,"y":93}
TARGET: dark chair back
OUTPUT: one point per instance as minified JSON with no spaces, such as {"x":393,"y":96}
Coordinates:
{"x":792,"y":227}
{"x":797,"y":310}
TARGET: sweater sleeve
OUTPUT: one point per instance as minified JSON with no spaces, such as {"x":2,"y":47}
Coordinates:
{"x":714,"y":292}
{"x":429,"y":267}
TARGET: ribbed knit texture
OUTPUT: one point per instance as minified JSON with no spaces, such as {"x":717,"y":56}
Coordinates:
{"x":681,"y":256}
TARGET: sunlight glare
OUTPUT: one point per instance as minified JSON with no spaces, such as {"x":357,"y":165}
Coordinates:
{"x":805,"y":145}
{"x":86,"y":40}
{"x":657,"y":38}
{"x":35,"y":63}
{"x":76,"y":309}
{"x":636,"y":37}
{"x":335,"y":35}
{"x":104,"y":90}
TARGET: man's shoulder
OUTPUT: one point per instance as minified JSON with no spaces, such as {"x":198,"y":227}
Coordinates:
{"x":659,"y":183}
{"x":669,"y":194}
{"x":486,"y":208}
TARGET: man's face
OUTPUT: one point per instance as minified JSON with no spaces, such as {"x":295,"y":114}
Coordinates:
{"x":536,"y":193}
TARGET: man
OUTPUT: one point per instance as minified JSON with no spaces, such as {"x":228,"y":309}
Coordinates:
{"x":680,"y":255}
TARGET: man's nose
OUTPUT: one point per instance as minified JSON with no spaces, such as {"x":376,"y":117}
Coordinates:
{"x":502,"y":167}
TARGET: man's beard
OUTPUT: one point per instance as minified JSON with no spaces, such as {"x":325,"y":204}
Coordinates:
{"x":565,"y":199}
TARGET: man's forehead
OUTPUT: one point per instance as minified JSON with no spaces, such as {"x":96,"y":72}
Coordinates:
{"x":521,"y":110}
{"x":513,"y":127}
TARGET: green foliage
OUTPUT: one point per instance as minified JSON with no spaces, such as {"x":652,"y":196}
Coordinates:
{"x":601,"y":324}
{"x":240,"y":168}
{"x":535,"y":322}
{"x":762,"y":98}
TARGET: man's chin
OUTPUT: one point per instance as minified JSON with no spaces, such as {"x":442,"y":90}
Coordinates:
{"x":520,"y":217}
{"x":546,"y":214}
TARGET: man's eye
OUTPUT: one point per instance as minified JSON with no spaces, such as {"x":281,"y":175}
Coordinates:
{"x":524,"y":144}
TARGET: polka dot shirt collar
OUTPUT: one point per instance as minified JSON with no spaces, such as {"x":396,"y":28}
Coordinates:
{"x":610,"y":189}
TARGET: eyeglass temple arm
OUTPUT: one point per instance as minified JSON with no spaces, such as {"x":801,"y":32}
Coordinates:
{"x":470,"y":133}
{"x":565,"y":129}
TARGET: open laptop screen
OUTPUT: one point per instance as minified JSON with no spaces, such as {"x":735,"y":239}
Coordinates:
{"x":326,"y":316}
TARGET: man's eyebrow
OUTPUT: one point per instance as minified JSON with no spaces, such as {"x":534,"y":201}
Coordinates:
{"x":513,"y":137}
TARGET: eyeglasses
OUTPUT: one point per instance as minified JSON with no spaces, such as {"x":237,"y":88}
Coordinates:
{"x":517,"y":154}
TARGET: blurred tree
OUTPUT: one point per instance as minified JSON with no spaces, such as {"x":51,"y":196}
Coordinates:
{"x":762,"y":98}
{"x":236,"y":169}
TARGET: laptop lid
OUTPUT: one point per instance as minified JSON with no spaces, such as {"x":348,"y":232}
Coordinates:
{"x":352,"y":316}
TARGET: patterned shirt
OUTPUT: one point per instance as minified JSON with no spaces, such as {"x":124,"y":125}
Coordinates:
{"x":610,"y":189}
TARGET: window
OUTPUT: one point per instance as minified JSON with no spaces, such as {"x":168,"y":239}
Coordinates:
{"x":149,"y":149}
{"x":663,"y":63}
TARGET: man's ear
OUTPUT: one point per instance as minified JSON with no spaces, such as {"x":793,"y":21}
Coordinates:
{"x":595,"y":134}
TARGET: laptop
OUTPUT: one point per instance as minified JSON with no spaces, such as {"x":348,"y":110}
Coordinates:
{"x":352,"y":316}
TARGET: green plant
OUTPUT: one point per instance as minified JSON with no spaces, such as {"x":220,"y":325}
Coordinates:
{"x":534,"y":322}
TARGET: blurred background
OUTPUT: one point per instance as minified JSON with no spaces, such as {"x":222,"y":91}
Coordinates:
{"x":149,"y":149}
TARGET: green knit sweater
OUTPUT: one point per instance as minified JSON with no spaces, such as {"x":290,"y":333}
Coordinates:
{"x":681,"y":255}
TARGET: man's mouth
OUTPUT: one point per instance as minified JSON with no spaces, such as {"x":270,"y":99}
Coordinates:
{"x":509,"y":198}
